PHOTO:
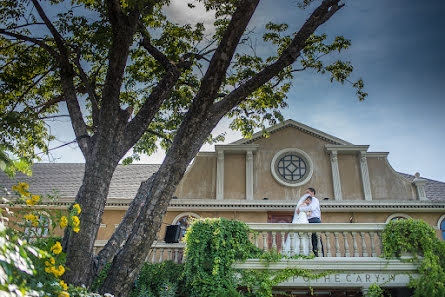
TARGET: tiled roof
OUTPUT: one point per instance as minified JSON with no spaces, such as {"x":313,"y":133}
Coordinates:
{"x":434,"y":190}
{"x":67,"y":178}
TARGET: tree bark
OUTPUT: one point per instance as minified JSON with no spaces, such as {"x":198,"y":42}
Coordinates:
{"x":91,"y":197}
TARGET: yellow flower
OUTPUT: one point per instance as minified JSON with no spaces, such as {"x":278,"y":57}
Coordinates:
{"x":30,"y":217}
{"x":58,"y":272}
{"x":24,"y":192}
{"x":77,"y":208}
{"x":64,"y":285}
{"x":15,"y":188}
{"x":76,"y":221}
{"x":48,"y":269}
{"x":24,"y":186}
{"x":57,"y":248}
{"x":64,"y":294}
{"x":35,"y":223}
{"x":29,"y":202}
{"x":76,"y":229}
{"x":63,"y":222}
{"x":52,"y":260}
{"x":35,"y":198}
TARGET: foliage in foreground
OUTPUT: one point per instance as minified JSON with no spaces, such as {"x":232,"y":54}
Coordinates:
{"x":419,"y":239}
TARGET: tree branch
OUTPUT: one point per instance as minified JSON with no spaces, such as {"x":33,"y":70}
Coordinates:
{"x":220,"y":61}
{"x":36,"y":41}
{"x":320,"y":15}
{"x":153,"y":51}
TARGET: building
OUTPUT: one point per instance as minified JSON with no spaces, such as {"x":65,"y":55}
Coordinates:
{"x":257,"y":181}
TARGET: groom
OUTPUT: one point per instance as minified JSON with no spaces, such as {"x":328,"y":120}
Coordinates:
{"x":314,"y":217}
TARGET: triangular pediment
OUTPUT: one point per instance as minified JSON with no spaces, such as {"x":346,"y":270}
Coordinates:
{"x":297,"y":125}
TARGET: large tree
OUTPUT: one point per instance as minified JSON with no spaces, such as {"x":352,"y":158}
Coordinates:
{"x":132,"y":78}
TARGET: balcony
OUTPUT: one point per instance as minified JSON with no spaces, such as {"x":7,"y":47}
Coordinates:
{"x":351,"y":253}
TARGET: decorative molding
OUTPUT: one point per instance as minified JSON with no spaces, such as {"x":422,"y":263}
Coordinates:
{"x":346,"y":149}
{"x":299,"y":126}
{"x":300,"y":152}
{"x":220,"y":175}
{"x":270,"y":205}
{"x":442,"y":217}
{"x":185,"y":214}
{"x":365,"y":176}
{"x":103,"y":225}
{"x":377,"y":154}
{"x":249,"y":175}
{"x":420,"y":187}
{"x":236,"y":148}
{"x":396,"y":215}
{"x":335,"y":176}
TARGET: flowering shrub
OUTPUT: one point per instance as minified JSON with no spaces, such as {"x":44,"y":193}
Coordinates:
{"x":35,"y":269}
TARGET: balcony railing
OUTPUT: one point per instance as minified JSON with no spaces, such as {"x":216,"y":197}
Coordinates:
{"x":338,"y":239}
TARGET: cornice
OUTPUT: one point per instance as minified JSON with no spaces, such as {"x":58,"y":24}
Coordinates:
{"x":299,"y":126}
{"x":271,"y":205}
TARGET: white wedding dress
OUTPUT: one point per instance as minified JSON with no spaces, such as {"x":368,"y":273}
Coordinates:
{"x":300,"y":218}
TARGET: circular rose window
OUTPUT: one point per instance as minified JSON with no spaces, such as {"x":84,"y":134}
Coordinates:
{"x":291,"y":167}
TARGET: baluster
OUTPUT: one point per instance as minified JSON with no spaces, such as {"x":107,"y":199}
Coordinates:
{"x":328,"y":245}
{"x":264,"y":241}
{"x":354,"y":244}
{"x":300,"y":240}
{"x":309,"y":240}
{"x":161,"y":255}
{"x":292,"y":243}
{"x":371,"y":235}
{"x":320,"y":250}
{"x":153,"y":256}
{"x":346,"y":244}
{"x":364,"y":249}
{"x":175,"y":257}
{"x":337,"y":245}
{"x":379,"y":234}
{"x":169,"y":253}
{"x":255,"y":236}
{"x":283,"y":240}
{"x":274,"y":240}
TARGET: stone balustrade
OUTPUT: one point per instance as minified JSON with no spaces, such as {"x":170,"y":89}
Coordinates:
{"x":338,"y":239}
{"x":161,"y":251}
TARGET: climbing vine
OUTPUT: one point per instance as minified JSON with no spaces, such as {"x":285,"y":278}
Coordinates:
{"x":214,"y":245}
{"x":419,"y":239}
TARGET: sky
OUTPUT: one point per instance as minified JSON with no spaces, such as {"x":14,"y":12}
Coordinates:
{"x":398,"y":48}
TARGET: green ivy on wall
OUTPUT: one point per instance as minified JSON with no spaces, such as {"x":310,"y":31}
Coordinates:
{"x":419,"y":239}
{"x":214,"y":245}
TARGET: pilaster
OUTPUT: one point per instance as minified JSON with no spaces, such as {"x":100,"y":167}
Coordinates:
{"x":249,"y":175}
{"x":220,"y":175}
{"x":335,"y":176}
{"x":365,"y":176}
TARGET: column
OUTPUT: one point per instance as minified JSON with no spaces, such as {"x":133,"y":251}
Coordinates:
{"x":420,"y":186}
{"x":220,"y":175}
{"x":249,"y":175}
{"x":336,"y":176}
{"x":365,"y":176}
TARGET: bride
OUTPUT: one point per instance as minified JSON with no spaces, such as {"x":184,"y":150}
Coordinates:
{"x":300,"y":218}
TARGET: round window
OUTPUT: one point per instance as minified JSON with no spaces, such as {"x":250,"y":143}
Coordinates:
{"x":292,"y":167}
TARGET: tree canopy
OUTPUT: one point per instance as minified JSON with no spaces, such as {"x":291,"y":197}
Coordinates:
{"x":132,"y":77}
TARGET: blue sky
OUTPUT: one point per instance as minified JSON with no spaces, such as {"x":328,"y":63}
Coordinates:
{"x":398,"y":48}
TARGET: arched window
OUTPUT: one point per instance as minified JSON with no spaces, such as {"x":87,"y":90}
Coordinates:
{"x":441,"y":226}
{"x":397,"y":216}
{"x":184,"y":220}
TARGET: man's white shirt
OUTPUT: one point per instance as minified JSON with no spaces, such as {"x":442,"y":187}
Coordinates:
{"x":314,"y":207}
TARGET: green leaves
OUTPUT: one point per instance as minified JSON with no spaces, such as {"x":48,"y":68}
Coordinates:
{"x":419,"y":239}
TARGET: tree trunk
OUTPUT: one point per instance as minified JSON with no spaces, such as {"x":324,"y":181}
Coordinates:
{"x":91,"y":197}
{"x":128,"y":261}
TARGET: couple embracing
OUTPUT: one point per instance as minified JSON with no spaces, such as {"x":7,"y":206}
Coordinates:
{"x":306,"y":211}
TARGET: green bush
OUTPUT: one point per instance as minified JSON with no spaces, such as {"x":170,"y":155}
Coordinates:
{"x":418,"y":238}
{"x":164,"y":279}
